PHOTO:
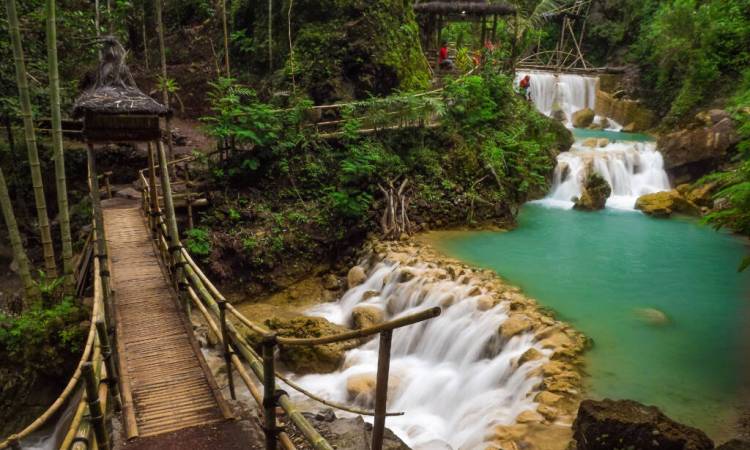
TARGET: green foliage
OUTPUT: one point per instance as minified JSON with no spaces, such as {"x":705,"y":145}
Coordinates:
{"x":198,"y":242}
{"x":45,"y":339}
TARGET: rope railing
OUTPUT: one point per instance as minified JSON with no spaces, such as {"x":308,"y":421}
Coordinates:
{"x":222,"y":318}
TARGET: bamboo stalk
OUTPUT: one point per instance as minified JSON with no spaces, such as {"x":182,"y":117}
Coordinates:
{"x":107,"y":355}
{"x":95,"y":407}
{"x":269,"y":390}
{"x":381,"y":389}
{"x":164,"y":92}
{"x":174,"y":241}
{"x":28,"y":124}
{"x":19,"y":254}
{"x":226,"y":37}
{"x":57,"y":147}
{"x":101,"y":241}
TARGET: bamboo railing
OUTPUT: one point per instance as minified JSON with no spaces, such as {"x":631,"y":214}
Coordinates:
{"x":92,"y":377}
{"x":196,"y":290}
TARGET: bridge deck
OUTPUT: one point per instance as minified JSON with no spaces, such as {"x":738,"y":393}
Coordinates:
{"x":159,"y":358}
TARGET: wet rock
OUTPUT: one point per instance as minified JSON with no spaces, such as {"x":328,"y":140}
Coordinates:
{"x":734,"y":444}
{"x":702,"y":194}
{"x":352,"y":433}
{"x":529,"y":416}
{"x":370,"y":294}
{"x":583,"y":118}
{"x":331,"y":282}
{"x":548,"y":398}
{"x":602,"y":142}
{"x":360,"y":388}
{"x":609,"y":424}
{"x":486,"y":302}
{"x":531,"y":354}
{"x":365,"y":316}
{"x":405,"y":276}
{"x":356,"y":276}
{"x":514,"y":325}
{"x":318,"y":359}
{"x":663,"y":204}
{"x":630,"y":128}
{"x":558,"y":113}
{"x":590,"y":142}
{"x":596,"y":191}
{"x":652,"y":316}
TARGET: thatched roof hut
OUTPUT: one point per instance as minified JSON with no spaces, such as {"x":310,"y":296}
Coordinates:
{"x":473,"y":8}
{"x":113,"y":108}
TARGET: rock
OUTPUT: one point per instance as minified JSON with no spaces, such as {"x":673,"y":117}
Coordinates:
{"x":548,"y":398}
{"x":609,"y":424}
{"x":711,"y":117}
{"x":356,"y":276}
{"x":652,"y":316}
{"x":405,"y":275}
{"x":558,"y":113}
{"x":361,"y":388}
{"x":698,"y":151}
{"x":531,"y":354}
{"x":734,"y":444}
{"x":590,"y":142}
{"x":629,"y":112}
{"x":583,"y":118}
{"x":604,"y":123}
{"x":630,"y":128}
{"x":513,"y":325}
{"x":702,"y":194}
{"x":486,"y":302}
{"x":128,"y":193}
{"x":331,"y":282}
{"x":596,"y":191}
{"x":365,"y":316}
{"x":370,"y":294}
{"x":529,"y":416}
{"x":602,"y":142}
{"x":352,"y":433}
{"x":663,"y":204}
{"x":318,"y":359}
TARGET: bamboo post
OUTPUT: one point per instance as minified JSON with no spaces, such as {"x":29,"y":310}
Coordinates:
{"x":95,"y":407}
{"x":107,"y":186}
{"x":189,"y":198}
{"x":174,"y":234}
{"x":484,"y":31}
{"x":109,"y":362}
{"x":14,"y":443}
{"x":381,"y":389}
{"x":152,"y":189}
{"x":101,"y":239}
{"x":225,"y":343}
{"x":269,"y":390}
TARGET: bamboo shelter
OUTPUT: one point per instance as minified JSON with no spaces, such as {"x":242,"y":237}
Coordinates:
{"x":434,"y":15}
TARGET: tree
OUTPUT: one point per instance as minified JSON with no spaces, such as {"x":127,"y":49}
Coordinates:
{"x":28,"y":124}
{"x":19,"y":254}
{"x":226,"y":37}
{"x":57,"y":145}
{"x":164,"y":80}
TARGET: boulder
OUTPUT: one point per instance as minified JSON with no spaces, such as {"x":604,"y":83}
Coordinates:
{"x":360,"y":388}
{"x":663,"y":204}
{"x":356,"y":276}
{"x":331,"y":282}
{"x":583,"y":118}
{"x":350,"y":433}
{"x":630,"y":128}
{"x":602,"y":142}
{"x":609,"y":424}
{"x":711,"y":117}
{"x":513,"y":325}
{"x":318,"y":359}
{"x":558,"y":113}
{"x":365,"y":316}
{"x":652,"y":316}
{"x":697,"y":151}
{"x":596,"y":191}
{"x":529,"y":416}
{"x":531,"y":354}
{"x":702,"y":194}
{"x":590,"y":142}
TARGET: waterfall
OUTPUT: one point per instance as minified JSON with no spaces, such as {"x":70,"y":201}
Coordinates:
{"x":569,"y":93}
{"x":632,"y":169}
{"x":452,"y":375}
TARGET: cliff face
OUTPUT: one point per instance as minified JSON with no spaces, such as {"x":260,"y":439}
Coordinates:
{"x":343,"y":49}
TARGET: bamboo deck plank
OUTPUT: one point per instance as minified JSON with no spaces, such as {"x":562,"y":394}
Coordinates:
{"x":167,"y":375}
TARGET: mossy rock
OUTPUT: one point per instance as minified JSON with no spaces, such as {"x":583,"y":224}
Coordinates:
{"x":663,"y":204}
{"x":596,"y":191}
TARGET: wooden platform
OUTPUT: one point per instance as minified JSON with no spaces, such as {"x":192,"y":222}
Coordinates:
{"x":162,"y":368}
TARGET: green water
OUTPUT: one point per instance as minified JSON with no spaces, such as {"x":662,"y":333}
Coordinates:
{"x":582,"y":133}
{"x":595,"y":269}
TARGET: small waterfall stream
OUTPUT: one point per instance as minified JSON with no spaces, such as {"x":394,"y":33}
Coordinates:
{"x":631,"y":168}
{"x":453,"y":376}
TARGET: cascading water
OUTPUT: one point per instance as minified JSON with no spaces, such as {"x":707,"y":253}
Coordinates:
{"x":632,"y":169}
{"x":568,"y":93}
{"x":453,"y":376}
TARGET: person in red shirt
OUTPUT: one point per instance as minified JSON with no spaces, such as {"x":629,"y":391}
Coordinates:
{"x":525,"y":86}
{"x":444,"y":62}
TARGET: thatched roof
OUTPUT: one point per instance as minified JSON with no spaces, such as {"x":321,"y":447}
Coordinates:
{"x":115,"y":91}
{"x":475,"y":8}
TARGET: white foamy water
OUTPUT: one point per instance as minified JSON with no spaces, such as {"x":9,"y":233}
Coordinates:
{"x":632,"y":169}
{"x":452,"y":375}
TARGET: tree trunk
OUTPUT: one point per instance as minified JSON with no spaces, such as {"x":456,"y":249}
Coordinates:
{"x":19,"y":254}
{"x":57,"y":146}
{"x":226,"y":37}
{"x":270,"y":36}
{"x":145,"y":37}
{"x":164,"y":92}
{"x":28,"y":124}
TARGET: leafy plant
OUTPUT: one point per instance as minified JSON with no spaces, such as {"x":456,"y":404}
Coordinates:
{"x":198,"y":242}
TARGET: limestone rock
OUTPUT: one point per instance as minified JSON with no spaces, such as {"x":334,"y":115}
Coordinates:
{"x":365,"y":316}
{"x":350,"y":433}
{"x":630,"y":128}
{"x":590,"y":142}
{"x":531,"y":354}
{"x":608,"y":424}
{"x":318,"y":359}
{"x":702,"y":194}
{"x":602,"y":142}
{"x":529,"y":416}
{"x":486,"y":302}
{"x":331,"y":282}
{"x":513,"y":325}
{"x":583,"y":118}
{"x":698,"y":150}
{"x":356,"y":276}
{"x":663,"y":204}
{"x":652,"y":316}
{"x":596,"y":190}
{"x":558,"y":113}
{"x":548,"y":398}
{"x":361,"y":388}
